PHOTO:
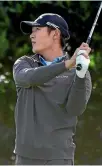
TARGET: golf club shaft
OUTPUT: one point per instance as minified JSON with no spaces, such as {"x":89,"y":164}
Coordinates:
{"x":79,"y":66}
{"x":94,"y":24}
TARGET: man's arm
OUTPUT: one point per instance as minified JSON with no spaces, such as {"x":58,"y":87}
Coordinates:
{"x":26,"y":76}
{"x":79,"y":95}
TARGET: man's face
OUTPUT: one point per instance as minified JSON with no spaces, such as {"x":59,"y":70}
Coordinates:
{"x":41,"y":39}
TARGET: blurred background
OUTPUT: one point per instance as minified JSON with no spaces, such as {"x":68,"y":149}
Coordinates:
{"x":13,"y":44}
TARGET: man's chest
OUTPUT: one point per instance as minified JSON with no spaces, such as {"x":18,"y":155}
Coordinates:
{"x":58,"y":88}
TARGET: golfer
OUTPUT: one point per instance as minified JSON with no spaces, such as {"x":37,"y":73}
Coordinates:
{"x":50,"y":95}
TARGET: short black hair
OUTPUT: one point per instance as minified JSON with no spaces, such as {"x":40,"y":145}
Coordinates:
{"x":62,"y":39}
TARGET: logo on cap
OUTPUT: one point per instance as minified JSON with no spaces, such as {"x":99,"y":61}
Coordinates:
{"x":51,"y":24}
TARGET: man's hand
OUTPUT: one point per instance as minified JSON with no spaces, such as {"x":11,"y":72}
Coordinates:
{"x":72,"y":62}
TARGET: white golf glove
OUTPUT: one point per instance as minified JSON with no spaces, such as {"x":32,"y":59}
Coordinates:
{"x":84,"y":62}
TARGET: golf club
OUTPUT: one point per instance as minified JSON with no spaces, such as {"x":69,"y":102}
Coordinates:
{"x":79,"y":65}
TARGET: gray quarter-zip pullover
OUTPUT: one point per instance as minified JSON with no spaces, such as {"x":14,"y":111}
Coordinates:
{"x":49,"y":99}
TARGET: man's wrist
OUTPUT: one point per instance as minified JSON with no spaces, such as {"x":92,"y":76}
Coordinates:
{"x":68,"y":64}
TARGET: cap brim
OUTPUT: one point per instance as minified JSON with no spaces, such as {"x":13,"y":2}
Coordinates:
{"x":26,"y":26}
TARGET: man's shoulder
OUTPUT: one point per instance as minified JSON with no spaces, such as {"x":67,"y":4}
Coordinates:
{"x":24,"y":57}
{"x":28,"y":58}
{"x":20,"y":59}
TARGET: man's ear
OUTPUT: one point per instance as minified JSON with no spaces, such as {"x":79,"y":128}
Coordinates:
{"x":57,"y":34}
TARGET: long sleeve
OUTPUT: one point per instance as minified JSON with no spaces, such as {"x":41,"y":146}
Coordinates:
{"x":25,"y":76}
{"x":79,"y":95}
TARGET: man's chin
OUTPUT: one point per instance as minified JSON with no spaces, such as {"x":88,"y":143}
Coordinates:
{"x":36,"y":51}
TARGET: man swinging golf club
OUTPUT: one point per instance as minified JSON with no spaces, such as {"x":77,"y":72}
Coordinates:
{"x":50,"y":94}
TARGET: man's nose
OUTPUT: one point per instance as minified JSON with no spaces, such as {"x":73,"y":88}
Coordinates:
{"x":32,"y":35}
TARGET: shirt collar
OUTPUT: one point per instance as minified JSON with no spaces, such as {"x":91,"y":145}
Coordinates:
{"x":56,"y":60}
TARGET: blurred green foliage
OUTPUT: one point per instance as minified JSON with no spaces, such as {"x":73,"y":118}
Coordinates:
{"x":80,"y":16}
